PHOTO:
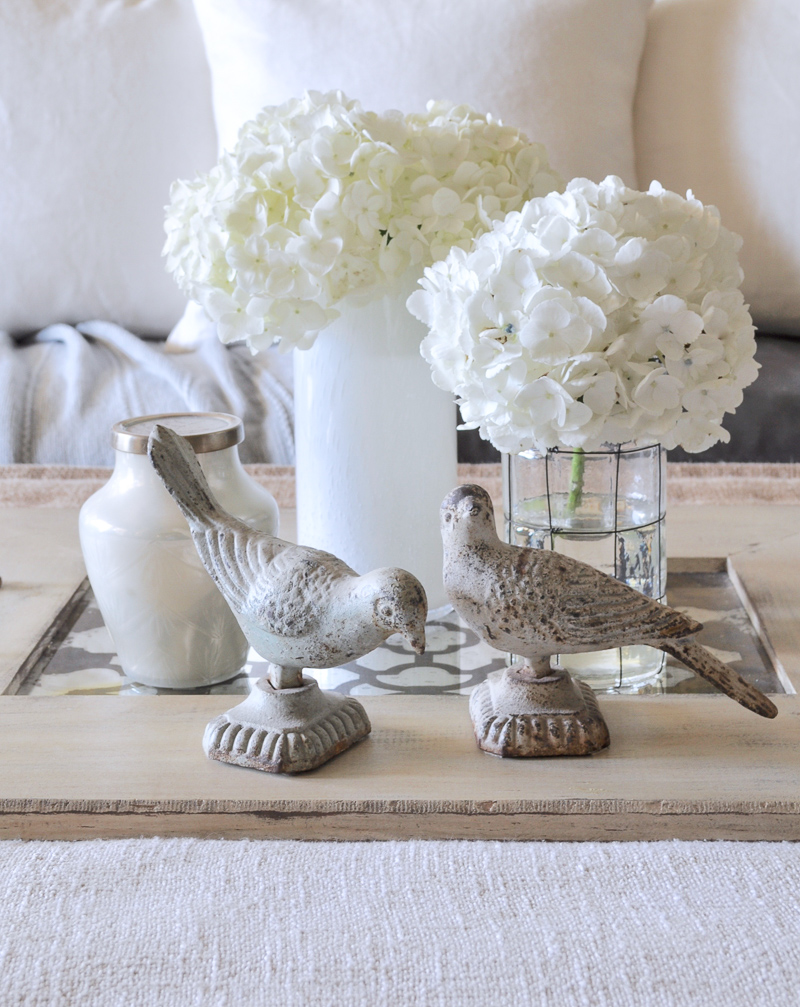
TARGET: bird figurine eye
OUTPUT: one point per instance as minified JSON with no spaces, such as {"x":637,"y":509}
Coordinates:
{"x":448,"y":517}
{"x":474,"y":510}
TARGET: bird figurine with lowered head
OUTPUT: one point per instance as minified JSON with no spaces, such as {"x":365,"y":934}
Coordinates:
{"x":299,"y":608}
{"x":536,"y":603}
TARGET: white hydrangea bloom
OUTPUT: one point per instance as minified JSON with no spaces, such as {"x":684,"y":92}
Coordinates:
{"x":592,"y":316}
{"x":321,"y":200}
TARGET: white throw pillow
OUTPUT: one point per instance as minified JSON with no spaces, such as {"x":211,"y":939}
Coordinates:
{"x":718,"y":111}
{"x":102,"y":105}
{"x":562,"y":70}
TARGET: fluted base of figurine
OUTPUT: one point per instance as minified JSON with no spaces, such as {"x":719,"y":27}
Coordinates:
{"x":515,"y":717}
{"x":286,"y":730}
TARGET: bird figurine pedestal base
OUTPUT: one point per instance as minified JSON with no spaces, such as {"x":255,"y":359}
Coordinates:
{"x":286,"y":730}
{"x":517,"y":716}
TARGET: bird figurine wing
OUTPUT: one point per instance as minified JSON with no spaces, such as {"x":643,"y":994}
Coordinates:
{"x":293,"y":587}
{"x":278,"y":583}
{"x":591,"y":608}
{"x":231,"y":555}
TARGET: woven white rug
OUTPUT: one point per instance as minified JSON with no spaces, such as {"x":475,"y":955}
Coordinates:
{"x":200,"y":922}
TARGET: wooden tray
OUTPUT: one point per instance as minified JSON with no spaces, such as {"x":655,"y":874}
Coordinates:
{"x":686,"y":767}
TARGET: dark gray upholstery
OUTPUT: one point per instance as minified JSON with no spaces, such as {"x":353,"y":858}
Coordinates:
{"x":766,"y":426}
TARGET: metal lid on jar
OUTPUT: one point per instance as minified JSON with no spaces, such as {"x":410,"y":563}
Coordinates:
{"x":204,"y":431}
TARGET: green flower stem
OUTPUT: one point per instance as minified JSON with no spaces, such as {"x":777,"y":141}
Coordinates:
{"x":576,"y":481}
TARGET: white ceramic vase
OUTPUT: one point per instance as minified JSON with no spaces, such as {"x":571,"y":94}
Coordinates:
{"x":170,"y":625}
{"x":375,"y":443}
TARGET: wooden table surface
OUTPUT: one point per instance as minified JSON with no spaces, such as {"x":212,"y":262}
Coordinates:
{"x":685,"y":767}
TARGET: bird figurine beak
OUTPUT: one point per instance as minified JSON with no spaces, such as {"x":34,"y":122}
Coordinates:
{"x":412,"y":628}
{"x":416,"y":641}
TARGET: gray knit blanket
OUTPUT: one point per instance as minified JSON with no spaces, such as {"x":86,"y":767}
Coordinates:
{"x":62,"y":389}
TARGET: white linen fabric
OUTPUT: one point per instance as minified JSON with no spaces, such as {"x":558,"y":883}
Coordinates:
{"x":184,"y":922}
{"x":718,"y":111}
{"x":102,"y":105}
{"x":65,"y":388}
{"x":562,"y":70}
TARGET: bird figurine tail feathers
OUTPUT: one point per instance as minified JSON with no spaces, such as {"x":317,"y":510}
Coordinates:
{"x":536,"y":603}
{"x":299,"y":608}
{"x":176,"y":463}
{"x":703,"y":663}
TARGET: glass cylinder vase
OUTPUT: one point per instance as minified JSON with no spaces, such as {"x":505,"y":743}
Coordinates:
{"x":375,"y":443}
{"x":606,"y":508}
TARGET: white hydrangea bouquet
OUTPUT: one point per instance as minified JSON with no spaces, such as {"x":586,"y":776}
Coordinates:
{"x":321,"y":200}
{"x":598,"y":315}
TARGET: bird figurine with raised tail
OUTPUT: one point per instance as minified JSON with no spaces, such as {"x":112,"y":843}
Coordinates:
{"x":535,"y":603}
{"x":299,"y":608}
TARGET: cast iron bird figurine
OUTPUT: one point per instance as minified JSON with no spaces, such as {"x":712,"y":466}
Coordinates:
{"x":299,"y":608}
{"x":536,"y":603}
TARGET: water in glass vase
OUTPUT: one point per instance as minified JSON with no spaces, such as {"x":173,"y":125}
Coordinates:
{"x":612,"y":517}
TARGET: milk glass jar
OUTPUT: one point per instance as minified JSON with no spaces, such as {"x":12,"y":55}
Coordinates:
{"x":170,"y":625}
